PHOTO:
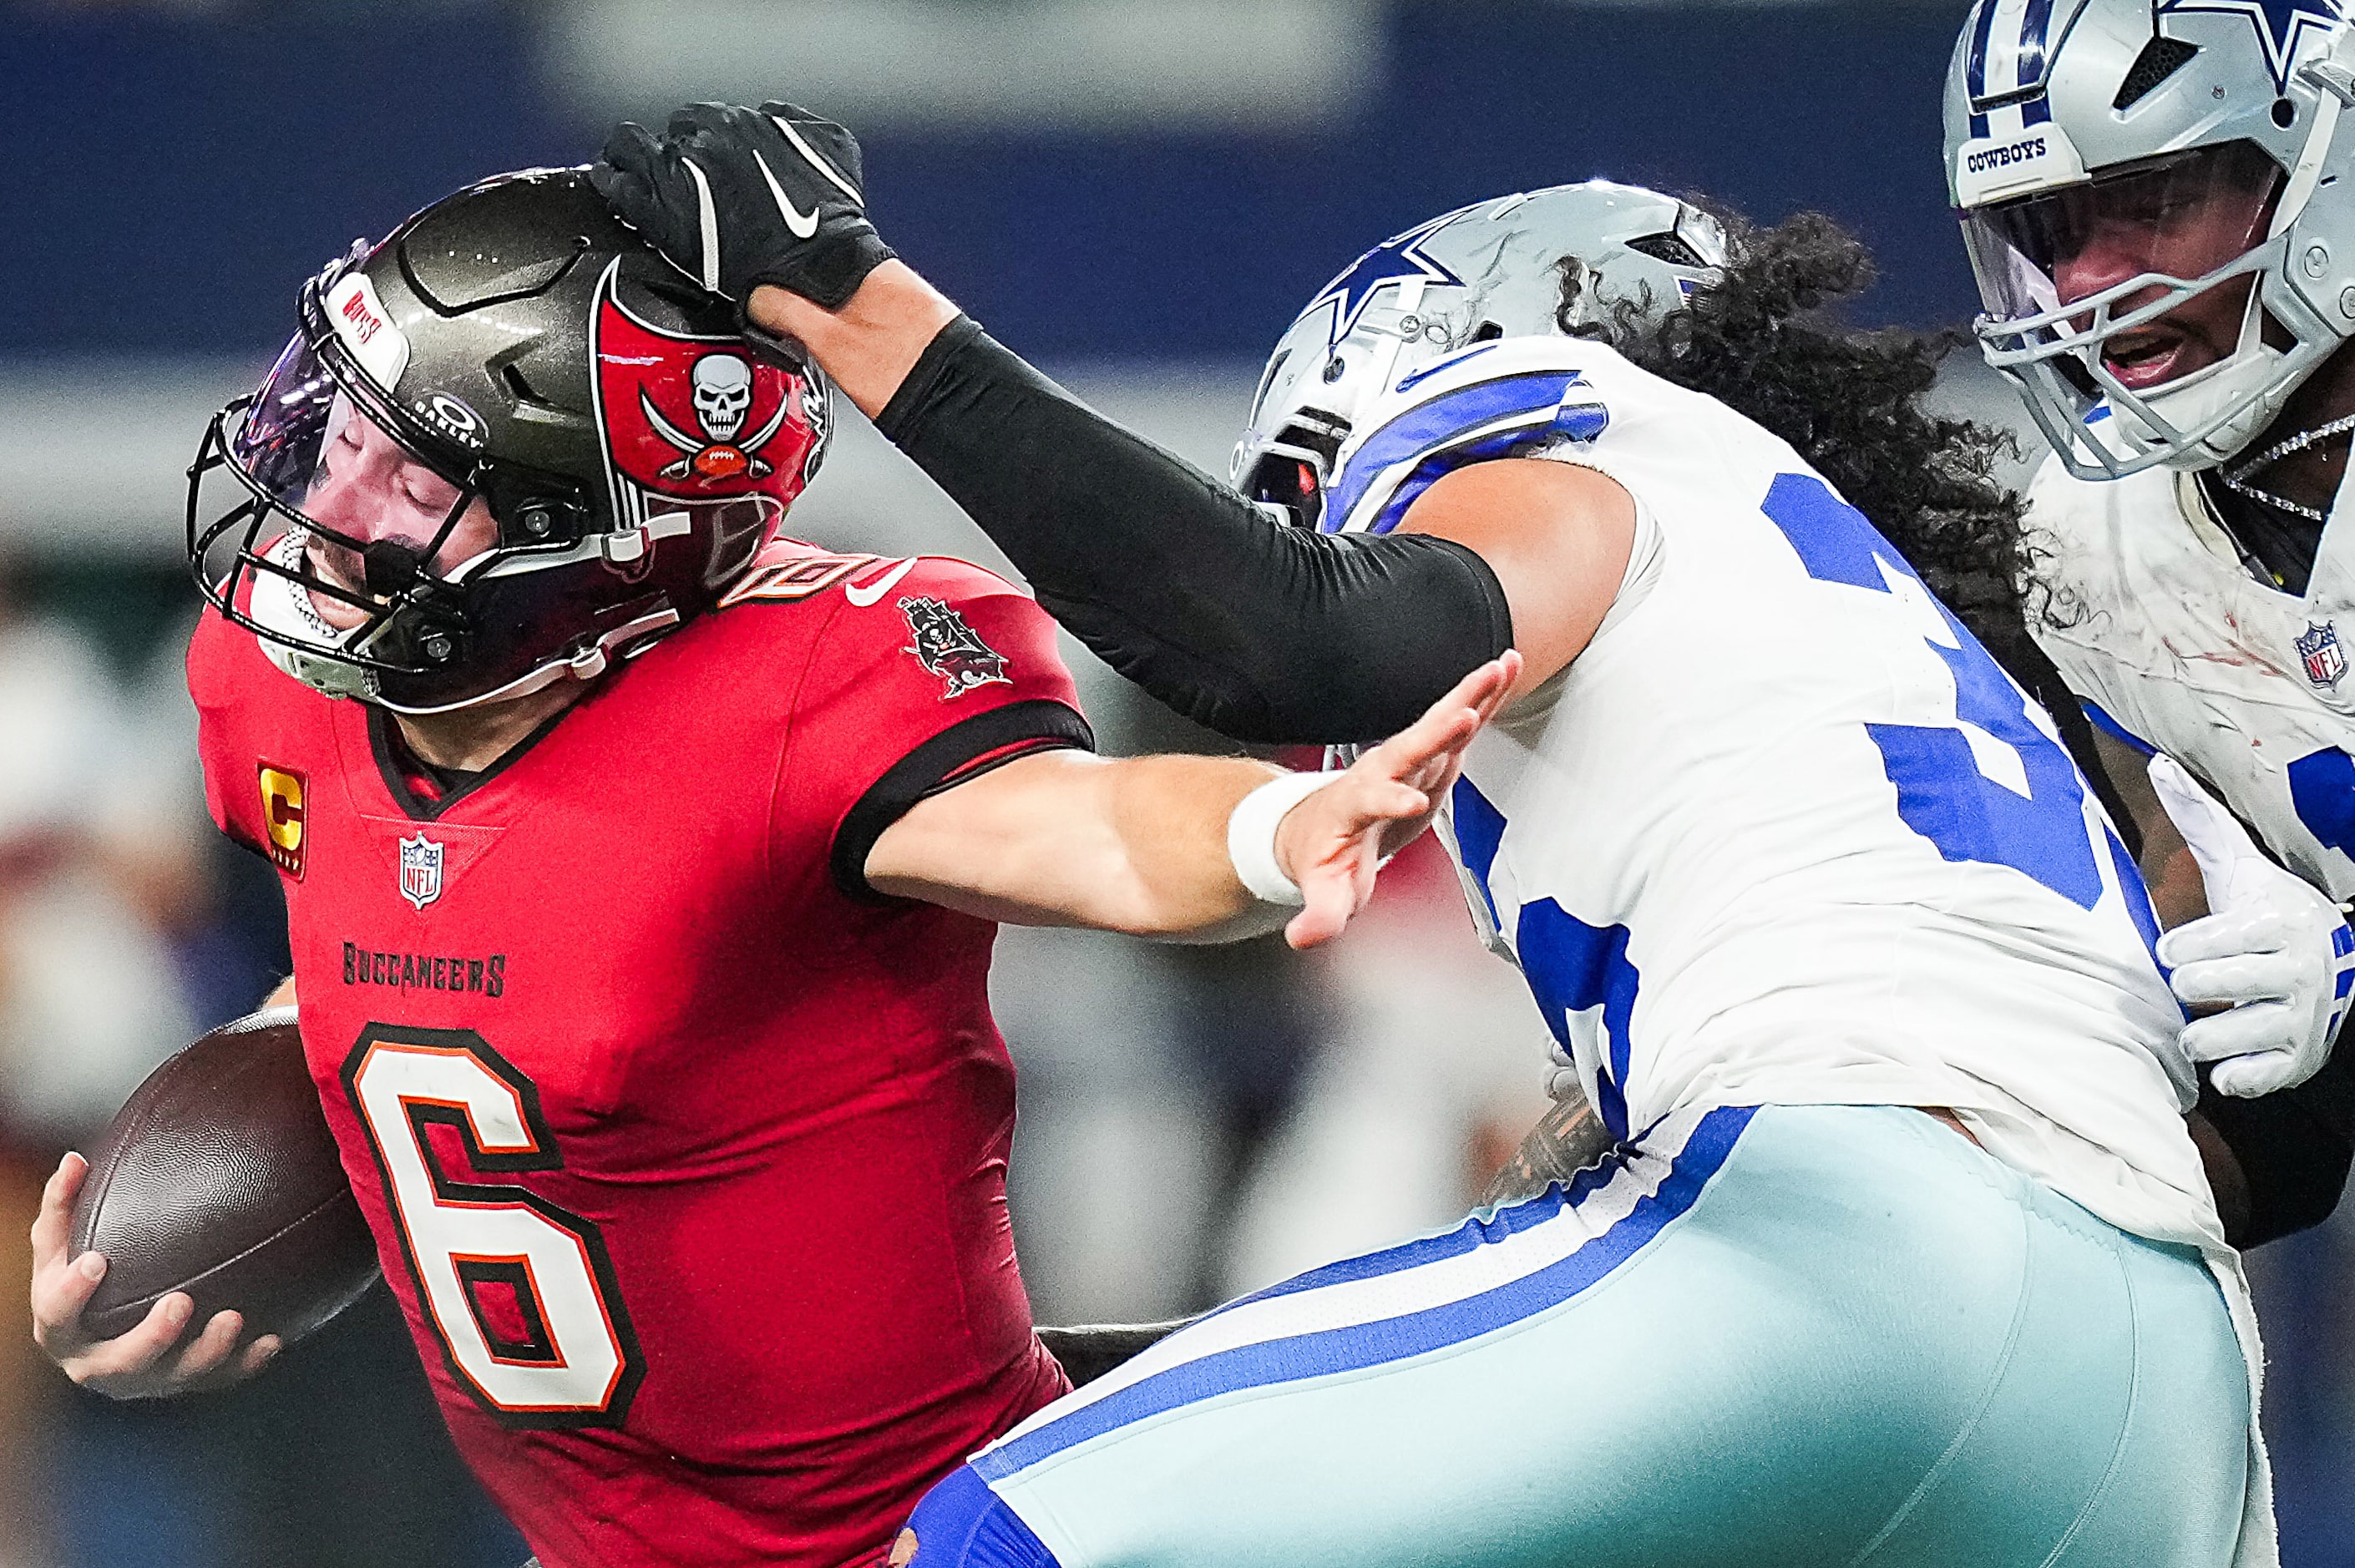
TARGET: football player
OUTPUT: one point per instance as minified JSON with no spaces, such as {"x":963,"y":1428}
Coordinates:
{"x":2157,"y":203}
{"x":640,"y":865}
{"x":1903,"y":1209}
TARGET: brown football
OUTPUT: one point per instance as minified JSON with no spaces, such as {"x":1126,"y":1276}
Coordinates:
{"x":219,"y":1176}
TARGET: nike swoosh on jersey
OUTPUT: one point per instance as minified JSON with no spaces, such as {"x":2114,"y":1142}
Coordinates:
{"x":802,"y":224}
{"x":864,"y":597}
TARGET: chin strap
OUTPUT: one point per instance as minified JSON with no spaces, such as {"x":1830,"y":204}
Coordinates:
{"x":2237,"y":479}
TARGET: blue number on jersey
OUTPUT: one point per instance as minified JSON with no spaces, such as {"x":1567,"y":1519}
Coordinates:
{"x":1940,"y":793}
{"x":2322,"y":790}
{"x":1571,"y":966}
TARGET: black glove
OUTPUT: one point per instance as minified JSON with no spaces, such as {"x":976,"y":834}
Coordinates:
{"x":737,"y":197}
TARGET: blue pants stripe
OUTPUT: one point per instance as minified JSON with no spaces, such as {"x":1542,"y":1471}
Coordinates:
{"x":1467,"y":1237}
{"x":1355,"y":1347}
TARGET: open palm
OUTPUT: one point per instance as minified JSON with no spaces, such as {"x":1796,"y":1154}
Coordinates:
{"x":1334,"y":842}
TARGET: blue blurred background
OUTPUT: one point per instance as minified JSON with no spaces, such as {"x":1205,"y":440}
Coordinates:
{"x":1139,"y":193}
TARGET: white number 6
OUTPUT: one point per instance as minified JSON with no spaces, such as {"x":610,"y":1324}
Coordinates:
{"x":520,"y":1293}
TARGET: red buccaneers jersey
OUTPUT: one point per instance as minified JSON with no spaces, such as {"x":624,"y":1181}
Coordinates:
{"x":684,"y":1150}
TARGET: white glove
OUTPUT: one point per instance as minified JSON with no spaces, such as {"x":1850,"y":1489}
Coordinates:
{"x":2273,"y":948}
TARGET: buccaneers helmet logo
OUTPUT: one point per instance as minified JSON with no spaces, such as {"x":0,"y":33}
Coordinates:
{"x":723,"y":389}
{"x":696,"y":419}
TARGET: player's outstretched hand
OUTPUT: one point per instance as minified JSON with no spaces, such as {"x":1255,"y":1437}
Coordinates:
{"x":150,"y":1361}
{"x":1333,"y":842}
{"x":2275,"y":951}
{"x":737,"y":197}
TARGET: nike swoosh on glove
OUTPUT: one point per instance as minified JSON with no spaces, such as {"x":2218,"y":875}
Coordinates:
{"x":737,"y":197}
{"x":2273,"y":948}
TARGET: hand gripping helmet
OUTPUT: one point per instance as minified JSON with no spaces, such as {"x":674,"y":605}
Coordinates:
{"x":2158,"y":199}
{"x":1440,"y":291}
{"x":514,"y":368}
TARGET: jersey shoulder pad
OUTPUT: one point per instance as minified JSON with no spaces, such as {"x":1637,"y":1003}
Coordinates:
{"x":790,"y":570}
{"x":226,"y":666}
{"x":2066,"y":510}
{"x":2085,"y":614}
{"x":1512,"y":398}
{"x":254,"y":724}
{"x":947,"y":578}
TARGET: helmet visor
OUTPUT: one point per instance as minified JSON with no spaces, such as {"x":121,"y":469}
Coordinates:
{"x":341,"y":525}
{"x":377,"y":512}
{"x":2137,"y":265}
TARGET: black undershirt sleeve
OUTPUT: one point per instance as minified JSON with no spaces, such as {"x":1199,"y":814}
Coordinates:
{"x":1264,"y":632}
{"x":2294,"y":1147}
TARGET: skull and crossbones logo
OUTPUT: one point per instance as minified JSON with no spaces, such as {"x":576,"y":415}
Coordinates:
{"x":721,"y":387}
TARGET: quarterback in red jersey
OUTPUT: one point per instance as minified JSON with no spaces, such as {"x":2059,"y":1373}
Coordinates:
{"x":641,"y":866}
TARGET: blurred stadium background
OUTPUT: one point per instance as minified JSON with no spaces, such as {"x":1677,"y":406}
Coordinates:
{"x":1138,"y":193}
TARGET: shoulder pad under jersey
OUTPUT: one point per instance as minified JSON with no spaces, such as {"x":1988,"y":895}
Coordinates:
{"x":1508,"y":397}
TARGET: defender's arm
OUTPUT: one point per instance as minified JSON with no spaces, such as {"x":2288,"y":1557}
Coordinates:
{"x":2279,"y":1162}
{"x":1264,"y":632}
{"x":1141,"y":845}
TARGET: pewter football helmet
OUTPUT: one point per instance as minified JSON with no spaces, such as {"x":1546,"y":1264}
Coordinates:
{"x":2114,"y":162}
{"x":1489,"y":271}
{"x":524,"y":349}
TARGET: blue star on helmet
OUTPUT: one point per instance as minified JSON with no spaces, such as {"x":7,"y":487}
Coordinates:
{"x":1392,"y":261}
{"x":2282,"y":25}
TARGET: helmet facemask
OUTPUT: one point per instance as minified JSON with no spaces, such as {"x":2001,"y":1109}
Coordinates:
{"x":1289,"y":475}
{"x":2155,"y":203}
{"x":344,"y":534}
{"x":2136,"y":300}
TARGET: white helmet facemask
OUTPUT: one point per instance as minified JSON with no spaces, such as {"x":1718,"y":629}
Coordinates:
{"x":2152,"y":202}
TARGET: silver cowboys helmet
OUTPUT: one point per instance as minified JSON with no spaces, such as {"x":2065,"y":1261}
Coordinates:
{"x":2156,"y":199}
{"x":1445,"y":288}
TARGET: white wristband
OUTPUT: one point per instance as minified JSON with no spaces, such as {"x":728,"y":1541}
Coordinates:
{"x":1251,"y":834}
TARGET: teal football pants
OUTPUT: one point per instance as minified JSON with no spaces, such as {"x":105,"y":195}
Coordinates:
{"x":1793,"y":1335}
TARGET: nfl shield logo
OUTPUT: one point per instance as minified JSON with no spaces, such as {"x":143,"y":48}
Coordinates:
{"x":2325,"y":660}
{"x":420,"y":871}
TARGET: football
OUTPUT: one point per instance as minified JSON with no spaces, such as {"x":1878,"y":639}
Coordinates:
{"x":219,"y":1176}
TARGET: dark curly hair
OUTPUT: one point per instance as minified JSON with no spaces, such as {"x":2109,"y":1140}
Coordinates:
{"x":1764,"y":342}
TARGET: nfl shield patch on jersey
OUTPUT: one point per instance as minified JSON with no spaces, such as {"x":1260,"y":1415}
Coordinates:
{"x":2318,"y":648}
{"x":420,"y":871}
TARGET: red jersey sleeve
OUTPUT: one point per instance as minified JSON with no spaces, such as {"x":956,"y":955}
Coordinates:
{"x":220,"y":670}
{"x":928,"y":673}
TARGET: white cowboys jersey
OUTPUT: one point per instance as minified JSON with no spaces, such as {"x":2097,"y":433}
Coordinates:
{"x":2176,"y":646}
{"x":1784,"y":833}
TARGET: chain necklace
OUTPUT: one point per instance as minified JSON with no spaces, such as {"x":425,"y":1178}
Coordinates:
{"x":2236,"y":480}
